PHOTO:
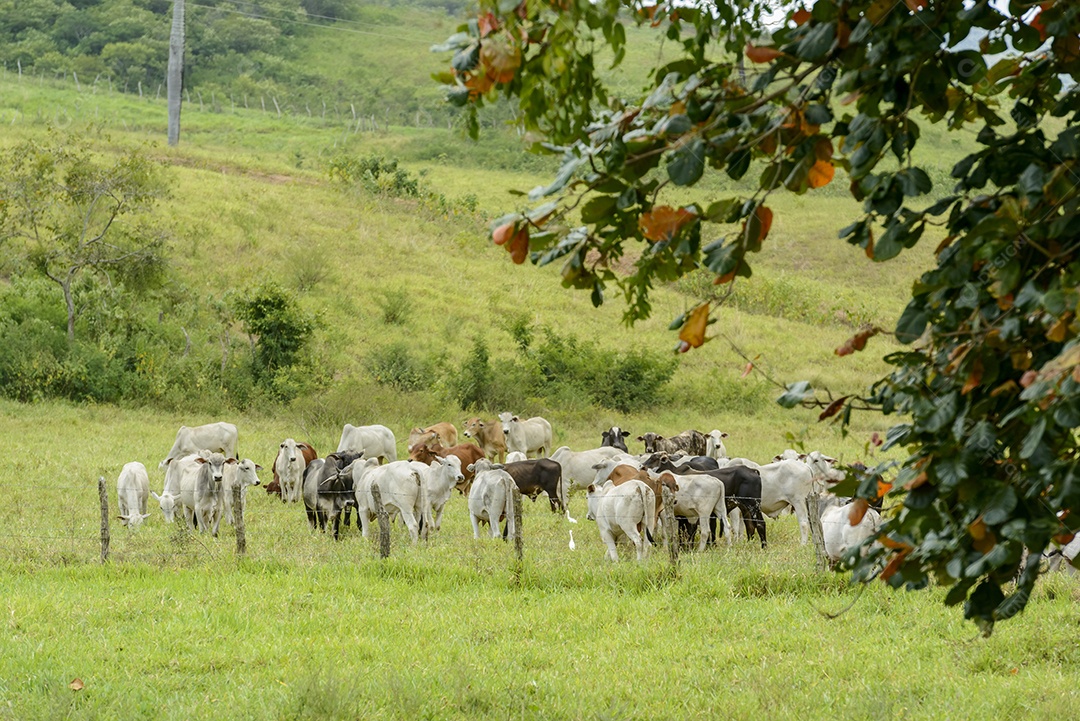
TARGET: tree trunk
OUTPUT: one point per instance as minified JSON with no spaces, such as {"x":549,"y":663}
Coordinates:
{"x":69,"y":301}
{"x":175,"y":75}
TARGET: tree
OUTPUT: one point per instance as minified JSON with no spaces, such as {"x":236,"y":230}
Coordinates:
{"x":282,"y":329}
{"x":988,"y":389}
{"x":69,"y":212}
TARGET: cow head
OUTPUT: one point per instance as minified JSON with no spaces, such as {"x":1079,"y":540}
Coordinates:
{"x":288,"y":450}
{"x":614,"y":437}
{"x":133,"y":520}
{"x":167,"y":501}
{"x":650,"y":439}
{"x":506,"y":419}
{"x":593,"y":493}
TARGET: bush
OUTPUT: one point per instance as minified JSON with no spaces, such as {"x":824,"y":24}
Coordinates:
{"x":396,"y":306}
{"x":394,"y":365}
{"x":375,"y":174}
{"x":281,"y":328}
{"x":471,"y":386}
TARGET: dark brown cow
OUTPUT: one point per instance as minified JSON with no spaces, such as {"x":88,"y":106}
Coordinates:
{"x":623,"y":473}
{"x":539,"y":475}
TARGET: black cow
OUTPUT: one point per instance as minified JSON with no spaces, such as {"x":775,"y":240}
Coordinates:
{"x":539,"y":475}
{"x":327,"y":491}
{"x":742,"y":490}
{"x":614,"y":438}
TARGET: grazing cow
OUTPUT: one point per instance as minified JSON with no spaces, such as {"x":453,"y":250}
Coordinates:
{"x":132,"y":493}
{"x":578,"y":466}
{"x":491,"y":498}
{"x":289,"y":466}
{"x":836,"y":527}
{"x":714,"y":444}
{"x":467,"y":453}
{"x":441,"y":476}
{"x":698,"y":497}
{"x":615,"y":437}
{"x":170,"y":494}
{"x":489,"y":435}
{"x":532,"y":436}
{"x":372,"y":441}
{"x":786,"y":484}
{"x":214,"y":437}
{"x":273,"y":488}
{"x":401,"y":491}
{"x":742,"y":491}
{"x":327,"y":491}
{"x":624,"y":511}
{"x":201,"y":491}
{"x":540,"y":475}
{"x":516,"y":457}
{"x":443,"y":433}
{"x":241,"y":474}
{"x":689,"y":441}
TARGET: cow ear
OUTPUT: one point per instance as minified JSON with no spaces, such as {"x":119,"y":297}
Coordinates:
{"x":723,"y":435}
{"x":641,"y":438}
{"x":625,"y":434}
{"x":591,"y":489}
{"x":231,"y":460}
{"x":258,"y":467}
{"x":515,"y":418}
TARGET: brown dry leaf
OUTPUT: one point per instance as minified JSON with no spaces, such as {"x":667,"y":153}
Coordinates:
{"x":77,"y":685}
{"x":823,"y":149}
{"x":858,"y":510}
{"x":986,"y":543}
{"x":821,"y":174}
{"x":761,"y":55}
{"x":1006,"y":387}
{"x":915,"y":5}
{"x":978,"y":529}
{"x":800,"y":16}
{"x":894,"y":565}
{"x":757,"y":226}
{"x":502,"y":58}
{"x":893,"y":544}
{"x":916,"y":481}
{"x":843,"y":34}
{"x":975,"y":379}
{"x":1028,"y":378}
{"x":1059,"y":330}
{"x":503,"y":233}
{"x":664,"y":222}
{"x":746,"y":371}
{"x":834,"y":407}
{"x":519,"y":245}
{"x":883,"y":487}
{"x":693,"y":330}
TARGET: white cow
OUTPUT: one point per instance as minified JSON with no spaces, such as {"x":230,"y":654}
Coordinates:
{"x":698,"y":497}
{"x":372,"y":441}
{"x":714,"y":444}
{"x":579,"y":467}
{"x":836,"y":527}
{"x":215,"y":437}
{"x":1067,"y":553}
{"x":440,"y":478}
{"x":786,"y":484}
{"x":170,"y":494}
{"x":491,"y":498}
{"x":624,"y":511}
{"x":516,"y":457}
{"x":243,"y":474}
{"x":201,"y":496}
{"x":790,"y":455}
{"x":530,"y":437}
{"x":132,"y":491}
{"x":289,"y":467}
{"x":400,"y":489}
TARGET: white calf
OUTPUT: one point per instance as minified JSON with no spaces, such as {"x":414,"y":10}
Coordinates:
{"x":714,"y":444}
{"x":440,"y":478}
{"x":624,"y":511}
{"x":200,"y":491}
{"x":698,"y":497}
{"x":132,"y":490}
{"x":400,"y":489}
{"x":170,"y":494}
{"x":839,"y":534}
{"x":530,"y":437}
{"x":578,"y":467}
{"x":241,"y":474}
{"x":491,"y":498}
{"x":289,"y":468}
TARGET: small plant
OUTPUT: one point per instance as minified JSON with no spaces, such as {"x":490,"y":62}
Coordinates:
{"x":396,"y":306}
{"x":395,"y":365}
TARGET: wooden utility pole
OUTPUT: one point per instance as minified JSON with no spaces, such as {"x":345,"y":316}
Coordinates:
{"x":175,"y":74}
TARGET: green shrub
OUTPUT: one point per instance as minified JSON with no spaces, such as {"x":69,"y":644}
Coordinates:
{"x":395,"y":365}
{"x":471,"y":386}
{"x":396,"y":306}
{"x":281,"y":328}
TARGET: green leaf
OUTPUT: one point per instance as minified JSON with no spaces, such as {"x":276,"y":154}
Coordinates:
{"x":598,"y":208}
{"x":687,"y":163}
{"x":796,"y":393}
{"x":945,"y":408}
{"x":1000,"y":506}
{"x":817,"y":42}
{"x":1033,"y":438}
{"x":912,"y":321}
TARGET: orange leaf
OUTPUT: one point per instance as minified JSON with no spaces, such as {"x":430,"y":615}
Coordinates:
{"x":915,"y":5}
{"x":883,"y":487}
{"x":870,"y":246}
{"x":1009,"y":387}
{"x":1060,"y":329}
{"x":893,"y":544}
{"x":478,"y":84}
{"x":503,"y":233}
{"x":894,"y":565}
{"x":693,"y":330}
{"x":487,"y":24}
{"x":858,"y":510}
{"x":833,"y":408}
{"x":944,"y":244}
{"x":975,"y":379}
{"x":821,"y":174}
{"x":756,"y":227}
{"x":761,"y":55}
{"x":1064,"y":538}
{"x":750,"y":367}
{"x":986,"y":543}
{"x":1037,"y":23}
{"x":664,"y":222}
{"x":977,"y":529}
{"x":502,"y":58}
{"x":725,"y":278}
{"x":519,"y":245}
{"x":916,"y":481}
{"x":77,"y":685}
{"x":800,"y":16}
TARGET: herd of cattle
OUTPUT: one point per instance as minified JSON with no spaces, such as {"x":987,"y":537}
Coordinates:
{"x":624,"y":491}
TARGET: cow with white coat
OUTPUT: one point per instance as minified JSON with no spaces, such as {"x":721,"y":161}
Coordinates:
{"x":373,"y":441}
{"x":615,"y":437}
{"x":623,"y":511}
{"x":201,"y":491}
{"x":532,"y":437}
{"x":840,"y":535}
{"x":578,"y":467}
{"x":698,"y":498}
{"x":440,"y":478}
{"x":401,"y":491}
{"x":132,"y":493}
{"x":243,"y":474}
{"x":289,"y":466}
{"x":714,"y":444}
{"x":491,"y":499}
{"x":214,"y":437}
{"x":170,"y":494}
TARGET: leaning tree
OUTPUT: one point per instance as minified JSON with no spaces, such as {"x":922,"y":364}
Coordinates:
{"x":987,"y":388}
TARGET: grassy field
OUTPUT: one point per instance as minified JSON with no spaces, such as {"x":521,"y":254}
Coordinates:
{"x":176,"y":627}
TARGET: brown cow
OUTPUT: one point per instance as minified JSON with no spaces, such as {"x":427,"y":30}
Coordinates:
{"x":623,"y":473}
{"x":444,"y":433}
{"x":490,"y":436}
{"x":467,"y":452}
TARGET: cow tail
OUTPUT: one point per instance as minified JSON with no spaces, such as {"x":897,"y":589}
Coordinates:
{"x":426,"y":520}
{"x":511,"y":524}
{"x":650,"y":514}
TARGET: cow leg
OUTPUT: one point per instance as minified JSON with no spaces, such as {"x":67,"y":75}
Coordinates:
{"x":475,"y":526}
{"x":336,"y":518}
{"x":410,"y":523}
{"x":803,"y":517}
{"x":634,"y":534}
{"x":311,"y":518}
{"x":609,"y":540}
{"x":703,"y":525}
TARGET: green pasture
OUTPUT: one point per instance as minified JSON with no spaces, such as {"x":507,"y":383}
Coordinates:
{"x":175,"y":626}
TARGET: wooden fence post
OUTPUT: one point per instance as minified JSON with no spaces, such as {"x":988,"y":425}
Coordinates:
{"x":103,"y":496}
{"x":817,"y":535}
{"x":238,"y":517}
{"x":671,"y":529}
{"x":384,"y":521}
{"x":519,"y":543}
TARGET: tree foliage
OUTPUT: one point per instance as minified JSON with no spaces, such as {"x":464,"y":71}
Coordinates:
{"x":281,"y":328}
{"x":988,"y":391}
